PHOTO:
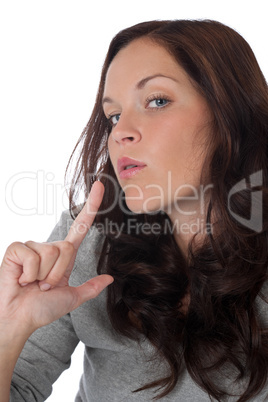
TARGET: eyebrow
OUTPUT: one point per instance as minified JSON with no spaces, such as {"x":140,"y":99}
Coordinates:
{"x":141,"y":84}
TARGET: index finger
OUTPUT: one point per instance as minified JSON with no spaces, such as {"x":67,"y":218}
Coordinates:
{"x":85,"y":218}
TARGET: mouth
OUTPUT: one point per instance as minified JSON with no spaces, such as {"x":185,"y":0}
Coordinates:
{"x":128,"y":167}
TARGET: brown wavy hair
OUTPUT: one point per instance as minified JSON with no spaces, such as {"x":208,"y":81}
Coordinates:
{"x":224,"y":276}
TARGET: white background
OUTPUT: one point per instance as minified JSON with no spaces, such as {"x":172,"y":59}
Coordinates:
{"x":51,"y":55}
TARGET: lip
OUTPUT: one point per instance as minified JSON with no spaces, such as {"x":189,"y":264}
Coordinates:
{"x":125,"y":161}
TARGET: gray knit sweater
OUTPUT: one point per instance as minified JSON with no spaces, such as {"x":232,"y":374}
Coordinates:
{"x":114,"y":366}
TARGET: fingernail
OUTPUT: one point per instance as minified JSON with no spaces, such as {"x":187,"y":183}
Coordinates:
{"x":23,"y":284}
{"x":45,"y":286}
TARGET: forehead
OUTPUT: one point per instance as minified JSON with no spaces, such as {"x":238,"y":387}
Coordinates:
{"x":139,"y":59}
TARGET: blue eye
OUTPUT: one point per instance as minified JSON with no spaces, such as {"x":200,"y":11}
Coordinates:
{"x":113,"y":120}
{"x":157,"y":102}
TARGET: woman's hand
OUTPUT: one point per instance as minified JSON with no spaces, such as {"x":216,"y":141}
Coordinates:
{"x":34,"y":288}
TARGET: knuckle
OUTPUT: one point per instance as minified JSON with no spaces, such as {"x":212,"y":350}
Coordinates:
{"x":54,"y":278}
{"x":31,"y":266}
{"x":14,"y":245}
{"x":67,"y":247}
{"x":51,"y":251}
{"x":33,"y":258}
{"x":29,"y":243}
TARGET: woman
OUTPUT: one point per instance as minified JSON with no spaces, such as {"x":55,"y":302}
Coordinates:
{"x":178,"y":137}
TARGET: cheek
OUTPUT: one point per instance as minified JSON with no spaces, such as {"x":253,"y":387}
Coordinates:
{"x":109,"y":144}
{"x":111,"y":150}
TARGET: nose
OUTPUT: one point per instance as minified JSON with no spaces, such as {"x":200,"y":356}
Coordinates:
{"x":126,"y":131}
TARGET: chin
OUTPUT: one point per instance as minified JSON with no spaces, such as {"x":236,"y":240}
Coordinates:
{"x":138,"y":207}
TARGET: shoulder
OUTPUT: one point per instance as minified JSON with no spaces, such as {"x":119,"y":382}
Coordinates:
{"x":61,"y":229}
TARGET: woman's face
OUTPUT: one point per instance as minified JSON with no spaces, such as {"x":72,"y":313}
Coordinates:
{"x":160,"y":127}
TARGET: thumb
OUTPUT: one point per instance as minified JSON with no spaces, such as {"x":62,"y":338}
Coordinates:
{"x":91,"y":289}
